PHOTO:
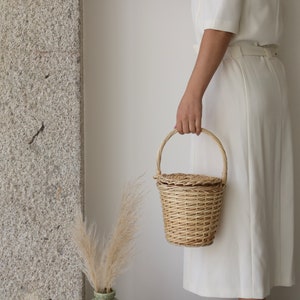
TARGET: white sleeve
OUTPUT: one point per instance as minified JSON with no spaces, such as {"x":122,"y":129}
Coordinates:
{"x":220,"y":14}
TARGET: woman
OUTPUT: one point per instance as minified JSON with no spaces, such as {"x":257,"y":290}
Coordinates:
{"x":239,"y":84}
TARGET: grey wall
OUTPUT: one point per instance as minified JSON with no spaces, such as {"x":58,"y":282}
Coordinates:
{"x":138,"y":56}
{"x":40,"y":170}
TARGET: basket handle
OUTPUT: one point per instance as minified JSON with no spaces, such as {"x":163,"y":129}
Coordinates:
{"x":173,"y":132}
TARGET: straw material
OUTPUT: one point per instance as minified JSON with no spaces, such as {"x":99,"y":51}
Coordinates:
{"x":191,"y":203}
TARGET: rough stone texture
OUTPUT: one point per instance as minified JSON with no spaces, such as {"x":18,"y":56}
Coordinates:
{"x":40,"y":142}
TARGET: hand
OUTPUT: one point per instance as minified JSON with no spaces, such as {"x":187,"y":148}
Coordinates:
{"x":189,"y":115}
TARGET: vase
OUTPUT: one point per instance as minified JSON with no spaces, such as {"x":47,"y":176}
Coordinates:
{"x":109,"y":296}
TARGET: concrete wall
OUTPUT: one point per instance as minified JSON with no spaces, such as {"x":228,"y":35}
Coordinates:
{"x":138,"y":56}
{"x":40,"y":142}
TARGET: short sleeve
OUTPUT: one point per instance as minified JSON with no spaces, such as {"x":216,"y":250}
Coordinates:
{"x":222,"y":15}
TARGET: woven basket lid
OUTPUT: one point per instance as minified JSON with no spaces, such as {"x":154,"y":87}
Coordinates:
{"x":181,"y":179}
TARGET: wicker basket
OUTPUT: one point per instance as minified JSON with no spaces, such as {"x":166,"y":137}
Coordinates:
{"x":191,"y":203}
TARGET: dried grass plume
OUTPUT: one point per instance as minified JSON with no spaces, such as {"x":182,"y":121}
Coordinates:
{"x":87,"y":245}
{"x":104,"y":262}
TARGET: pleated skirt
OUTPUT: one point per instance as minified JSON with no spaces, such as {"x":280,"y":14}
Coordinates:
{"x":246,"y":106}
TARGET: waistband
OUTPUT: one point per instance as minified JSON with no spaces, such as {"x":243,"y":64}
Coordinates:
{"x":250,"y":49}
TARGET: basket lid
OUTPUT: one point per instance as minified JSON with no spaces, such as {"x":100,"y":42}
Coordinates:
{"x":181,"y":179}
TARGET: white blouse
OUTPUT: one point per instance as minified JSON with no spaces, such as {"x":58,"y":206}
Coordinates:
{"x":251,"y":20}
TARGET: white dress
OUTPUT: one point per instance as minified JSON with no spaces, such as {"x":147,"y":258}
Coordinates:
{"x":246,"y":106}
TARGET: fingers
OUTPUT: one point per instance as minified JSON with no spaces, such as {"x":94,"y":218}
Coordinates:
{"x":187,"y":126}
{"x":179,"y":127}
{"x":198,"y":126}
{"x":192,"y":126}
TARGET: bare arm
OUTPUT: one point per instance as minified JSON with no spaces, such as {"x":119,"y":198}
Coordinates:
{"x":212,"y":49}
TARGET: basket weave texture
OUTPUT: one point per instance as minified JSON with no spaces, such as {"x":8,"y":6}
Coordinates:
{"x":191,"y":203}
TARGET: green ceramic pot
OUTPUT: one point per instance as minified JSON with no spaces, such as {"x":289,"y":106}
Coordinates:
{"x":100,"y":296}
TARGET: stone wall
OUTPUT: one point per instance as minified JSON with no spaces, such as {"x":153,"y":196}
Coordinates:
{"x":41,"y":147}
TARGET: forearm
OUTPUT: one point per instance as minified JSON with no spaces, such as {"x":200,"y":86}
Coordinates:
{"x":212,"y":49}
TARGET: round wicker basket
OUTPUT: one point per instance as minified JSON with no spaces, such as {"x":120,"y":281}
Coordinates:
{"x":191,"y":203}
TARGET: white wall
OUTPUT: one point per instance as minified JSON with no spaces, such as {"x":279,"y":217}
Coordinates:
{"x":138,"y":56}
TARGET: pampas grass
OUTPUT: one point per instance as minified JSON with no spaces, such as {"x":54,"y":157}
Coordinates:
{"x":87,"y":244}
{"x":104,"y":262}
